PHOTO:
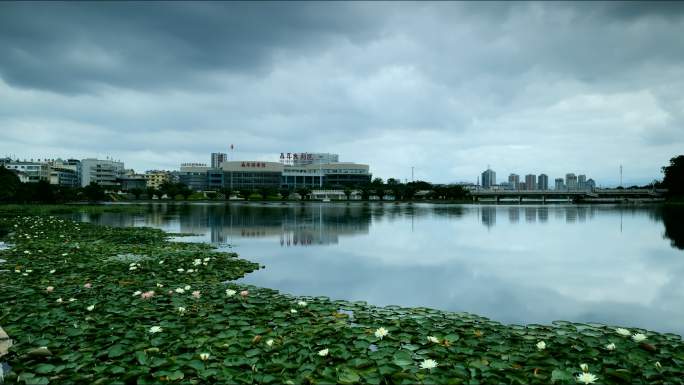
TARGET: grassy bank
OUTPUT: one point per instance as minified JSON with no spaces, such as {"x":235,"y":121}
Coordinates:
{"x":99,"y":305}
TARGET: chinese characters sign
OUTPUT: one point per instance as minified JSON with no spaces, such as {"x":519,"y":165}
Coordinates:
{"x":254,"y":164}
{"x":292,"y":157}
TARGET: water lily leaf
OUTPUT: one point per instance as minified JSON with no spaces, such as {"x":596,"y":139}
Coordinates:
{"x":347,"y":376}
{"x":560,"y":375}
{"x":44,"y":368}
{"x":116,"y":351}
{"x":402,"y":359}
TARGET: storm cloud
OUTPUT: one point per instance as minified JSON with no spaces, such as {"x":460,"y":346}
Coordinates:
{"x":445,"y":87}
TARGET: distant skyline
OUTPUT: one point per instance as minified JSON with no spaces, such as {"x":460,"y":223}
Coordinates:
{"x":447,"y":88}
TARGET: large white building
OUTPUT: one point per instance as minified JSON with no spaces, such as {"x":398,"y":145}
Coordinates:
{"x":33,"y":171}
{"x":103,"y":172}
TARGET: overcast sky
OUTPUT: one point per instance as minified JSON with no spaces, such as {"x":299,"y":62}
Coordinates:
{"x":448,"y":88}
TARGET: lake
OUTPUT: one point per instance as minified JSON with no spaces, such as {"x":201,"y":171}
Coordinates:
{"x":511,"y":263}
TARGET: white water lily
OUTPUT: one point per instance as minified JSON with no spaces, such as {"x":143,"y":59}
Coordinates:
{"x":323,"y":352}
{"x":433,"y":339}
{"x":638,"y":337}
{"x":59,"y":300}
{"x":541,"y":345}
{"x":230,"y":292}
{"x":584,"y":367}
{"x":381,"y":332}
{"x":586,"y":378}
{"x":269,"y":342}
{"x":623,"y":332}
{"x":187,"y":287}
{"x":180,"y":270}
{"x":137,"y":293}
{"x":428,"y":364}
{"x":91,"y":307}
{"x":658,"y":365}
{"x":293,"y":311}
{"x":72,"y":299}
{"x":181,"y":310}
{"x":204,"y":356}
{"x":156,"y":329}
{"x":180,"y":290}
{"x":197,"y":262}
{"x":207,"y":259}
{"x":161,"y":262}
{"x":65,"y":254}
{"x":302,"y":303}
{"x":610,"y":346}
{"x":190,"y":271}
{"x":52,"y":271}
{"x":133,"y":268}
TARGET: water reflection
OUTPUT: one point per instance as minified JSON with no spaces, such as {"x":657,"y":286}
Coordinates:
{"x":547,"y":262}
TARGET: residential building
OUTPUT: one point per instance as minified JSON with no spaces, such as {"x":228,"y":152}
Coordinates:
{"x":488,"y":178}
{"x":571,"y":182}
{"x":543,"y":182}
{"x":217,"y":158}
{"x":559,"y":185}
{"x":530,"y":182}
{"x":514,"y":181}
{"x":582,"y":182}
{"x":155,"y":178}
{"x":65,"y":173}
{"x":102,"y":172}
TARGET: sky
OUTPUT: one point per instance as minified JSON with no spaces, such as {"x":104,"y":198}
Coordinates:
{"x":445,"y":88}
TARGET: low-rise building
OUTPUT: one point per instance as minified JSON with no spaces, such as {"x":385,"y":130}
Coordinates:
{"x":102,"y":172}
{"x":155,"y":178}
{"x":34,"y":171}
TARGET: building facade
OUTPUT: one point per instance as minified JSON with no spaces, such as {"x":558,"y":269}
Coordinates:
{"x":155,"y":178}
{"x":530,"y":182}
{"x":102,"y":172}
{"x":488,"y":178}
{"x":217,"y":158}
{"x":514,"y":181}
{"x":571,"y":182}
{"x":251,"y":175}
{"x":559,"y":185}
{"x":33,"y":171}
{"x":543,"y":182}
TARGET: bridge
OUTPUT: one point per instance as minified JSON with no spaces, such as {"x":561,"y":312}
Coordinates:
{"x":593,"y":196}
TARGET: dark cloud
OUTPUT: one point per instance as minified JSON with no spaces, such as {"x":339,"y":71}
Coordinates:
{"x":525,"y":87}
{"x":72,"y":47}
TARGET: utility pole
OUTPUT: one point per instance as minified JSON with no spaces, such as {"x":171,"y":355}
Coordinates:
{"x":411,"y":173}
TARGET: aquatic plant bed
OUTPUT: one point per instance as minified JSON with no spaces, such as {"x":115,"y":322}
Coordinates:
{"x":101,"y":305}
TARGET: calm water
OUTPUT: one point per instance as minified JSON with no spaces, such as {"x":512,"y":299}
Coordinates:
{"x":515,"y":264}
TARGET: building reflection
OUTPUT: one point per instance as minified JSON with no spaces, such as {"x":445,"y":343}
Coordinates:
{"x":290,"y":225}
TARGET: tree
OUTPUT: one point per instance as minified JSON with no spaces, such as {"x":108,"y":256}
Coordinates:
{"x":93,"y":192}
{"x":377,"y":182}
{"x":136,"y":192}
{"x":393,"y":182}
{"x":347,"y":193}
{"x":285,"y":193}
{"x":151,"y":192}
{"x":9,"y":185}
{"x":674,"y":176}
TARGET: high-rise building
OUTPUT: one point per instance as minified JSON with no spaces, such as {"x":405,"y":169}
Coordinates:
{"x":530,"y":182}
{"x":543,"y":182}
{"x":488,"y":178}
{"x":559,"y":186}
{"x":514,"y":181}
{"x":582,"y":182}
{"x":571,"y":182}
{"x":217,"y":158}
